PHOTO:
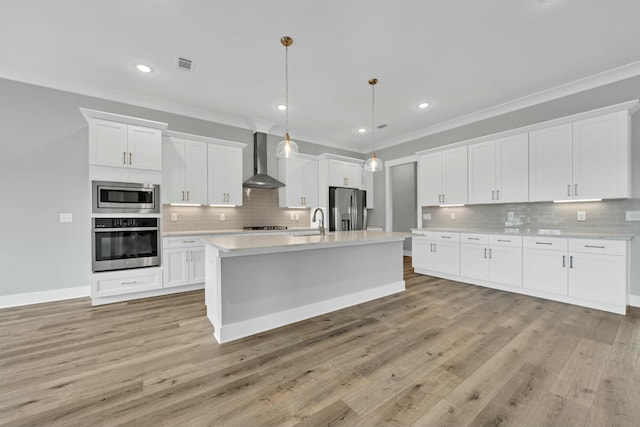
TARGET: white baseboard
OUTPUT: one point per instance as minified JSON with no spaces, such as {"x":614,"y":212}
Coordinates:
{"x":234,"y":331}
{"x":43,"y":296}
{"x":634,"y":300}
{"x":146,"y":294}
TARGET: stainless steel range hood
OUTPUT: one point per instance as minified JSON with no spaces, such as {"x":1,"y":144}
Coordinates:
{"x":260,"y":179}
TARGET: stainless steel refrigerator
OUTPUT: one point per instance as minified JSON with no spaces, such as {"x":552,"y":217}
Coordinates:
{"x":347,"y":209}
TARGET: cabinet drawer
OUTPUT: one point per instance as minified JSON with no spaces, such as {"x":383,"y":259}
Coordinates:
{"x":183,"y":242}
{"x":423,"y":234}
{"x":446,"y":237}
{"x":598,"y":246}
{"x":126,"y":282}
{"x":548,"y":243}
{"x":510,"y":241}
{"x":473,"y":238}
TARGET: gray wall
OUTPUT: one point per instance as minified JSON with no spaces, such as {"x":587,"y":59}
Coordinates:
{"x":44,"y":171}
{"x":614,"y":93}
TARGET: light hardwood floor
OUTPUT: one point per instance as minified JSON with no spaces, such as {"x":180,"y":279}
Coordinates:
{"x":440,"y":354}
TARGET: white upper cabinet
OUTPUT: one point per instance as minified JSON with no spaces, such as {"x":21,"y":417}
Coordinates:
{"x":586,"y":159}
{"x":124,"y":145}
{"x":301,"y":178}
{"x":601,"y":157}
{"x":184,"y":171}
{"x":224,"y":175}
{"x":498,"y":170}
{"x":443,"y":177}
{"x":551,"y":163}
{"x":345,"y":174}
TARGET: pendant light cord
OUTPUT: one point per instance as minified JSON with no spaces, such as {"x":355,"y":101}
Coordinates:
{"x":373,"y":118}
{"x":286,"y":87}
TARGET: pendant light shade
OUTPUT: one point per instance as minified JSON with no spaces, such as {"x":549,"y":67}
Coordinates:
{"x":373,"y":163}
{"x":286,"y":148}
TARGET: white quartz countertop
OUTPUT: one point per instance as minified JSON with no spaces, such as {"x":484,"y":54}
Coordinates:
{"x":532,"y":232}
{"x":285,"y":242}
{"x":235,"y":231}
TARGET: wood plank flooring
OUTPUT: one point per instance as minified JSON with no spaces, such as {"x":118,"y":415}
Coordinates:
{"x":440,"y":354}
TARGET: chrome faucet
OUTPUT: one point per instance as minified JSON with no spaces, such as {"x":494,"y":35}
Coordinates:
{"x":321,"y":226}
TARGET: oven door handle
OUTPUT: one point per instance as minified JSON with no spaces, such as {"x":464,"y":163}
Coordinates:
{"x":110,"y":230}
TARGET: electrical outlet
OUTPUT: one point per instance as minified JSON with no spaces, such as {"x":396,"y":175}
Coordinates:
{"x":293,"y":217}
{"x":223,"y":217}
{"x":174,"y":217}
{"x":582,"y":215}
{"x":426,"y":216}
{"x":511,"y":216}
{"x":66,"y":217}
{"x":632,"y":215}
{"x":297,"y":217}
{"x":453,"y":216}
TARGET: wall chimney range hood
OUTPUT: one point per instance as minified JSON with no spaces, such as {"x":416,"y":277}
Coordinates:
{"x":260,"y":179}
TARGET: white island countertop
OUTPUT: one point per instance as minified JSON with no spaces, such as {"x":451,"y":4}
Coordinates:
{"x":254,"y":244}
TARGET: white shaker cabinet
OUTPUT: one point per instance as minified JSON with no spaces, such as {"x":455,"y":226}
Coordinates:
{"x":184,"y":172}
{"x":498,"y":170}
{"x":224,"y":184}
{"x":183,"y":261}
{"x":550,"y":163}
{"x":437,"y":251}
{"x":493,"y":258}
{"x":545,"y":263}
{"x":442,"y":177}
{"x":345,"y":174}
{"x":301,"y":178}
{"x":124,"y":145}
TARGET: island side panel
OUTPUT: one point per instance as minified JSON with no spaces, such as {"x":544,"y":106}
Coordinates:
{"x":212,"y":286}
{"x":261,"y":292}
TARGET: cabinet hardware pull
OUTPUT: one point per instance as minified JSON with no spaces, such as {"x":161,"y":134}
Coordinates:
{"x":473,"y":238}
{"x":544,"y":243}
{"x":443,"y":199}
{"x":188,"y":241}
{"x":569,"y":190}
{"x":430,"y":247}
{"x":490,"y":254}
{"x":571,"y":261}
{"x":497,"y":194}
{"x":183,"y":195}
{"x":446,"y":237}
{"x":124,"y":157}
{"x":493,"y":193}
{"x":434,"y":248}
{"x":504,"y":240}
{"x":130,"y":156}
{"x":485,"y":253}
{"x":187,"y":194}
{"x":594,"y":246}
{"x":575,"y":189}
{"x":564,"y":261}
{"x":130,"y":283}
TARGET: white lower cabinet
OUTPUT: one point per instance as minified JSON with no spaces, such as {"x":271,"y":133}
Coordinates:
{"x":587,"y":272}
{"x":183,"y":260}
{"x":121,"y":282}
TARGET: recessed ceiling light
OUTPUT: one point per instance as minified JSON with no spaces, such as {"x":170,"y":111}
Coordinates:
{"x":362,"y":130}
{"x":423,"y":105}
{"x":282,"y":107}
{"x":144,"y":68}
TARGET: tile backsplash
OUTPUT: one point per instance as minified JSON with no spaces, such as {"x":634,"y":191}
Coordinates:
{"x":601,"y":217}
{"x":259,"y":207}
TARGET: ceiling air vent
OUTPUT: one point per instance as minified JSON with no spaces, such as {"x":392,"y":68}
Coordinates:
{"x":185,"y":64}
{"x":382,"y":126}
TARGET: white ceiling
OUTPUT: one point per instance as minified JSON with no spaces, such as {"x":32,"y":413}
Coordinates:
{"x":463,"y":56}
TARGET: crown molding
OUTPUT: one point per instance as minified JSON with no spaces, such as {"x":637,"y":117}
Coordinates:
{"x":591,"y":82}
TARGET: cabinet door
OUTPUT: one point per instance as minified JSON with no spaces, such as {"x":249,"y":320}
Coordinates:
{"x":234,"y":176}
{"x":145,"y":149}
{"x":108,"y":143}
{"x":482,"y":172}
{"x":175,"y":267}
{"x":551,"y":164}
{"x":353,"y":172}
{"x":344,"y":174}
{"x":216,"y":177}
{"x":505,"y":265}
{"x":292,"y":173}
{"x":454,"y":176}
{"x":430,"y":179}
{"x":195,"y":172}
{"x":474,"y":262}
{"x":310,"y":180}
{"x":512,"y":169}
{"x":421,"y":253}
{"x":601,"y":157}
{"x":196,"y":265}
{"x":173,"y":171}
{"x":598,"y":277}
{"x":447,"y":257}
{"x":545,"y":270}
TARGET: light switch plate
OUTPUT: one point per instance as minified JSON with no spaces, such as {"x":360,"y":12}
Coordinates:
{"x":223,"y":217}
{"x":582,"y":215}
{"x":426,"y":216}
{"x":66,"y":217}
{"x":174,"y":216}
{"x":632,"y":215}
{"x":453,"y":216}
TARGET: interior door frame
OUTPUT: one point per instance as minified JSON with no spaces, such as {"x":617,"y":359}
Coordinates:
{"x":389,"y":197}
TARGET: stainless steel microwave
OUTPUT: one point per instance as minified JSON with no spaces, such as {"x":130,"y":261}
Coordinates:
{"x":125,"y":197}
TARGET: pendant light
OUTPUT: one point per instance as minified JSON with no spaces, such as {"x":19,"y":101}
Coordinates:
{"x":286,"y":148}
{"x":373,"y":164}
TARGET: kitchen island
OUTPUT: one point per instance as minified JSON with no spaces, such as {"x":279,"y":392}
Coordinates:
{"x":257,"y":283}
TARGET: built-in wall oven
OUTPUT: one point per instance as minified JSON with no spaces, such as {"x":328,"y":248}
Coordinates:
{"x":124,"y":243}
{"x":125,"y":197}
